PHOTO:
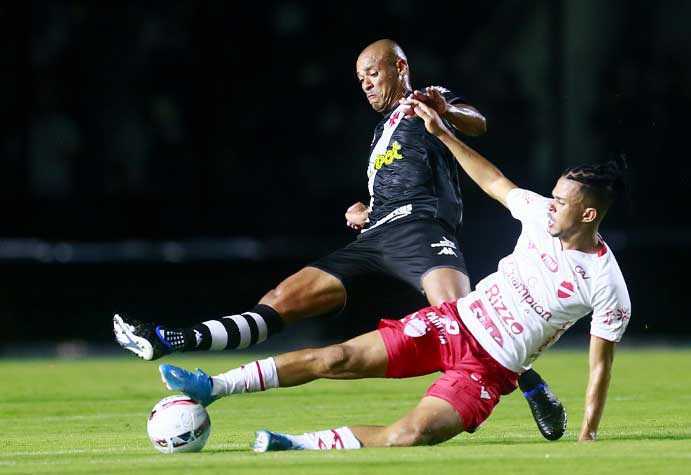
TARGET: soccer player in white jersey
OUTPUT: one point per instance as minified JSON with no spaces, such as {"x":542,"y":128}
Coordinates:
{"x":560,"y":271}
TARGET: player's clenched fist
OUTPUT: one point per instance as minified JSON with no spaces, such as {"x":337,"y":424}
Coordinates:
{"x":357,"y":215}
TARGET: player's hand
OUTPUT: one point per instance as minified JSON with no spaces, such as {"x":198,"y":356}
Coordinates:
{"x":433,"y":98}
{"x":357,"y":216}
{"x":433,"y":122}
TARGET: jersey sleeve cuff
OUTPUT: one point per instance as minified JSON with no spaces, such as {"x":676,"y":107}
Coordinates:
{"x":513,"y":198}
{"x":608,"y":337}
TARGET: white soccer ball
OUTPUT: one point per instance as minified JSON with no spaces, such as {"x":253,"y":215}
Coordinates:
{"x":178,"y":424}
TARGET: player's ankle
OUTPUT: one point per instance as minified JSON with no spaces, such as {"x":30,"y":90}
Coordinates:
{"x":530,"y":380}
{"x":173,"y":338}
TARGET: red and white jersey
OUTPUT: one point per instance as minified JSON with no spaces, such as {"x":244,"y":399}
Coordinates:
{"x":540,"y":290}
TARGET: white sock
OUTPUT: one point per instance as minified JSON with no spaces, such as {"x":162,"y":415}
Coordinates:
{"x":256,"y":376}
{"x":341,"y":438}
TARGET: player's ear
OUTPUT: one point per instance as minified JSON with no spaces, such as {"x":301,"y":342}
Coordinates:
{"x":589,"y":215}
{"x":402,"y":67}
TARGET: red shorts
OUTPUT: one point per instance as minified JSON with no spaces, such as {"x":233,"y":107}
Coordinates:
{"x":434,"y":339}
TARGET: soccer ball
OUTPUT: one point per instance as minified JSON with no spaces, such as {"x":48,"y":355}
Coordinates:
{"x":178,"y":424}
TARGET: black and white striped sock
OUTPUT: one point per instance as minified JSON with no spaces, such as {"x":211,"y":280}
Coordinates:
{"x":234,"y":331}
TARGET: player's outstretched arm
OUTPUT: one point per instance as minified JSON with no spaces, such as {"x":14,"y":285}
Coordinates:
{"x":601,"y":356}
{"x":479,"y":169}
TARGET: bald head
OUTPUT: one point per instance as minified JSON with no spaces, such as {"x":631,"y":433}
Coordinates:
{"x":386,"y":49}
{"x":382,"y":69}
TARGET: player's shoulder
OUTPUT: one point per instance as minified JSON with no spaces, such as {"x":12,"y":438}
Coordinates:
{"x":609,"y":276}
{"x":448,"y":94}
{"x":607,"y":263}
{"x":524,"y":203}
{"x":526,"y":197}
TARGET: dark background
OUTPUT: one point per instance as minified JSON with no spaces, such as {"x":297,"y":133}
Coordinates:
{"x":176,"y":159}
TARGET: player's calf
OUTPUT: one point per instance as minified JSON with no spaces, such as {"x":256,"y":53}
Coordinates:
{"x":150,"y":341}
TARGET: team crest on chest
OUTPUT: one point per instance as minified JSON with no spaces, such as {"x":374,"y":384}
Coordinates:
{"x":565,"y":290}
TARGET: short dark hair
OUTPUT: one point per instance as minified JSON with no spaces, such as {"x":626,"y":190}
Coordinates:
{"x":603,"y":182}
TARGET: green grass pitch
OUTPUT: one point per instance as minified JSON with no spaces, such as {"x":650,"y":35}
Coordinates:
{"x":89,"y":416}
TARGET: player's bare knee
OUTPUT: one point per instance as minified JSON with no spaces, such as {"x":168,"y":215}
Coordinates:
{"x":335,"y":360}
{"x":409,"y":433}
{"x":271,"y":297}
{"x":279,"y":299}
{"x":406,"y":435}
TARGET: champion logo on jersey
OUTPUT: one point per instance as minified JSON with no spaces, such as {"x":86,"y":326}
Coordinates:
{"x":565,"y":290}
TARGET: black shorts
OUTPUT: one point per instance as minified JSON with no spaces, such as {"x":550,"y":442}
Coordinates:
{"x":406,"y":250}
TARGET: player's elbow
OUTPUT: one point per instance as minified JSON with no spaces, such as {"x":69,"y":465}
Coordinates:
{"x":495,"y":186}
{"x":468,"y":120}
{"x":479,"y":127}
{"x":473,"y":128}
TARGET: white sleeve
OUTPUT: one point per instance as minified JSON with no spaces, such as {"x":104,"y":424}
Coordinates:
{"x":611,"y":307}
{"x":527,"y":205}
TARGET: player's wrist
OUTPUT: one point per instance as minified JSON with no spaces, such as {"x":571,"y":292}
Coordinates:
{"x":446,"y":113}
{"x":446,"y":136}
